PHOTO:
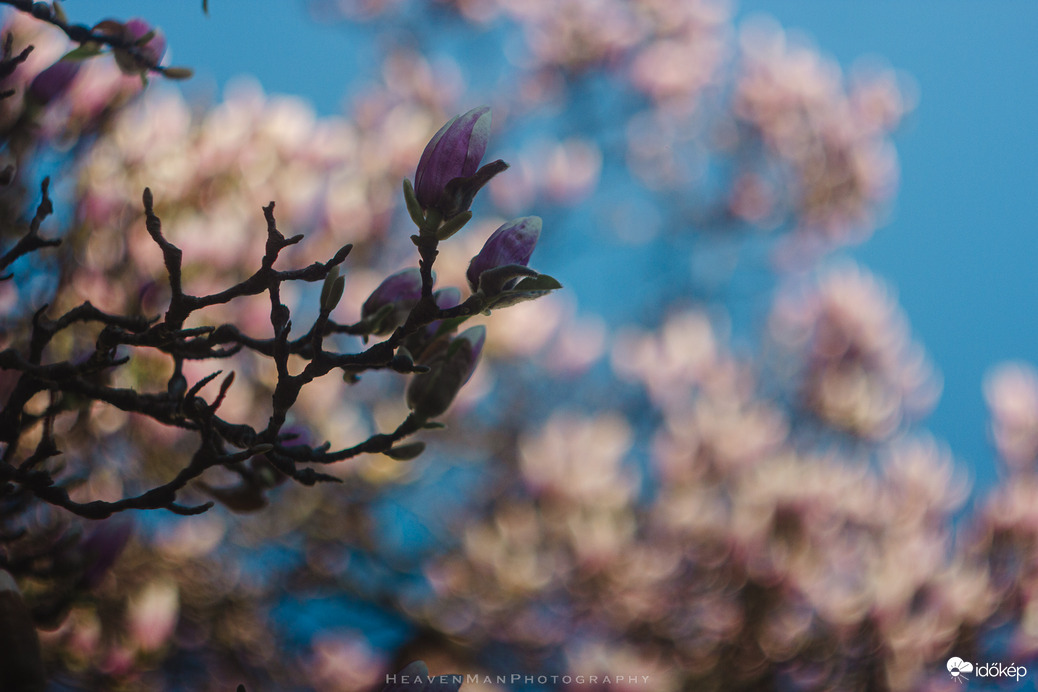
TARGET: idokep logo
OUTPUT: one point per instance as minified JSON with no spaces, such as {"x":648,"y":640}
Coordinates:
{"x":959,"y":669}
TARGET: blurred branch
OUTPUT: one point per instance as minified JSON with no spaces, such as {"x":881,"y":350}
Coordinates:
{"x":32,"y":240}
{"x":82,"y":34}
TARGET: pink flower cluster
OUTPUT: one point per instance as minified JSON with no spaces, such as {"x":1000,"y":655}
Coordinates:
{"x":832,"y":163}
{"x":846,"y":344}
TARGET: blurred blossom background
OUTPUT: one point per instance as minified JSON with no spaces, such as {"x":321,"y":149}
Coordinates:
{"x":778,"y":432}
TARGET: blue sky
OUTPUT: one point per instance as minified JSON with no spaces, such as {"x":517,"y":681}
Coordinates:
{"x":961,"y":243}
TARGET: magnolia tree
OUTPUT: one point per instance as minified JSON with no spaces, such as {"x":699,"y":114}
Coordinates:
{"x":217,"y":312}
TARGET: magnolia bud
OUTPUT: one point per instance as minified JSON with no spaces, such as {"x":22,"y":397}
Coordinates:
{"x":149,"y":44}
{"x":394,"y":297}
{"x":511,"y":244}
{"x":448,"y":174}
{"x":430,"y":394}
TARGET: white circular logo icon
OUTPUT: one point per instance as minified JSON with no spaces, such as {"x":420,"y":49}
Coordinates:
{"x":958,"y":668}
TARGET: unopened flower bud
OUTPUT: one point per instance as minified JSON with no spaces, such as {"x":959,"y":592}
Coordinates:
{"x":511,"y":244}
{"x":448,"y":174}
{"x":149,"y":45}
{"x":331,"y":291}
{"x":394,"y":297}
{"x":445,"y":298}
{"x":430,"y":394}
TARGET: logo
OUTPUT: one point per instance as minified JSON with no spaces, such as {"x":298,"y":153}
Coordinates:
{"x":958,"y":668}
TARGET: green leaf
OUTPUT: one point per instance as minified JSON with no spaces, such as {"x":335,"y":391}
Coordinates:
{"x":527,"y":289}
{"x":83,"y":52}
{"x":492,"y":281}
{"x":336,"y":294}
{"x":414,"y":209}
{"x":372,"y":324}
{"x":453,"y":225}
{"x":326,"y":289}
{"x":331,"y":291}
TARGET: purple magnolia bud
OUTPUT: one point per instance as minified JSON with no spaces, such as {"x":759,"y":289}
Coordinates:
{"x":137,"y":28}
{"x":512,"y":244}
{"x":103,"y":546}
{"x":431,"y":393}
{"x":448,"y":174}
{"x":445,"y":298}
{"x":454,"y":152}
{"x":54,"y":81}
{"x":399,"y":292}
{"x":145,"y":55}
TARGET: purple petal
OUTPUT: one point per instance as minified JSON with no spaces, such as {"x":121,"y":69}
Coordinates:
{"x":137,"y":28}
{"x":512,"y":243}
{"x":424,"y":186}
{"x":478,"y":138}
{"x":131,"y":31}
{"x":54,"y":81}
{"x":447,"y":297}
{"x":401,"y":288}
{"x":455,"y":151}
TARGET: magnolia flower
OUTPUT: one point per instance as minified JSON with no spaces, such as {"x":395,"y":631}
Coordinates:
{"x":448,"y":174}
{"x":510,"y":245}
{"x":395,"y":296}
{"x":431,"y":393}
